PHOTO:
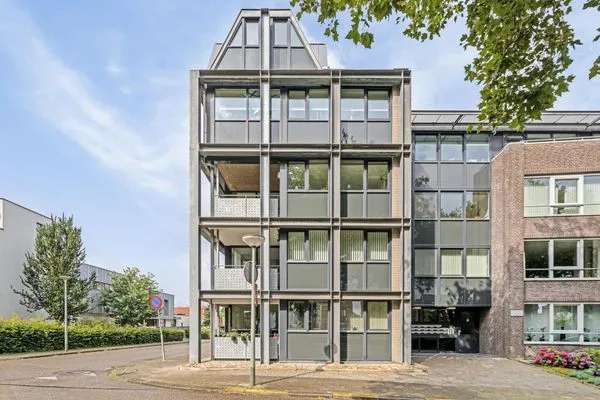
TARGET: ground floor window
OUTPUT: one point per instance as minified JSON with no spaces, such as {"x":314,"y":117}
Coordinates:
{"x":308,"y":316}
{"x":562,"y":323}
{"x":562,"y":258}
{"x":365,"y":330}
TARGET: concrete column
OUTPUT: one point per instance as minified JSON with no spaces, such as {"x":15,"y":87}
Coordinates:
{"x":265,"y":331}
{"x":265,"y":25}
{"x":335,"y":109}
{"x":335,"y":331}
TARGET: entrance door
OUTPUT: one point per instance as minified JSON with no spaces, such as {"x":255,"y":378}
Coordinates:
{"x":468,"y":323}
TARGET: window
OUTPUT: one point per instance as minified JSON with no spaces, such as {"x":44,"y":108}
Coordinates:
{"x":451,"y":147}
{"x":591,"y":258}
{"x":351,"y":316}
{"x":426,"y":148}
{"x":425,"y":176}
{"x":565,"y":318}
{"x":425,"y":262}
{"x":352,"y":175}
{"x":280,"y":33}
{"x":318,"y":246}
{"x":451,"y":205}
{"x":563,"y":323}
{"x":296,"y":311}
{"x":478,"y":261}
{"x":377,"y":315}
{"x":426,"y":205}
{"x":378,"y":105}
{"x":451,"y":262}
{"x":275,"y":105}
{"x":377,"y":175}
{"x":377,"y":246}
{"x":251,"y":33}
{"x":477,"y":205}
{"x":296,"y":246}
{"x":565,"y":193}
{"x":240,"y":317}
{"x":536,"y":259}
{"x":318,"y":104}
{"x":318,"y":175}
{"x":296,"y":104}
{"x":559,"y":195}
{"x":565,"y":259}
{"x":231,"y":104}
{"x":591,"y":323}
{"x":296,"y":175}
{"x":351,"y":246}
{"x":537,"y":323}
{"x":319,"y":316}
{"x":353,"y":105}
{"x":477,"y":148}
{"x":253,"y":105}
{"x":591,"y":194}
{"x":536,"y":196}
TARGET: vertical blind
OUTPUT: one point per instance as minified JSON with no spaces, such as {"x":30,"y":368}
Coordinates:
{"x":296,"y":246}
{"x":377,"y":315}
{"x":318,"y":246}
{"x":351,"y":246}
{"x":477,"y":262}
{"x":377,"y":243}
{"x":591,"y":194}
{"x":536,"y":196}
{"x":451,"y":262}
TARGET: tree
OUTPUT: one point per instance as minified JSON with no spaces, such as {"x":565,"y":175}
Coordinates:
{"x":126,"y":300}
{"x":58,"y":251}
{"x":523,"y":46}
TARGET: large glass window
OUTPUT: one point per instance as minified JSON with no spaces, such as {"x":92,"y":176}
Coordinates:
{"x":477,"y":148}
{"x":231,"y":105}
{"x":536,"y":259}
{"x":591,"y":323}
{"x":378,"y":105}
{"x":426,"y":148}
{"x":451,"y":205}
{"x":352,"y":175}
{"x":377,"y":175}
{"x":565,"y":317}
{"x":318,"y":246}
{"x":318,"y":104}
{"x":425,"y":176}
{"x":565,"y":259}
{"x":537,"y":323}
{"x":425,"y":262}
{"x":353,"y":105}
{"x":252,"y":33}
{"x":478,"y":261}
{"x":296,"y":246}
{"x":351,"y":316}
{"x":319,"y":316}
{"x":351,"y":246}
{"x":451,"y":262}
{"x":280,"y":33}
{"x":275,"y":105}
{"x":565,"y":193}
{"x":591,"y":194}
{"x":425,"y":205}
{"x":318,"y":174}
{"x":296,"y":175}
{"x":296,"y":104}
{"x":536,"y":196}
{"x":591,"y":258}
{"x":253,"y":105}
{"x":377,"y":246}
{"x":296,"y":311}
{"x":377,"y":315}
{"x":562,"y":195}
{"x":451,"y":147}
{"x":563,"y":323}
{"x":477,"y":205}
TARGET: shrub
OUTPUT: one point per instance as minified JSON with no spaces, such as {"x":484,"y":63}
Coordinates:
{"x":595,"y":354}
{"x":19,"y":336}
{"x":565,"y":359}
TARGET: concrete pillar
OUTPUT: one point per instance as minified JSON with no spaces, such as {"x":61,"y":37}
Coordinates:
{"x":265,"y":331}
{"x":335,"y":331}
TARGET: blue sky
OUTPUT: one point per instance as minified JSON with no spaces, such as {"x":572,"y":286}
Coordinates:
{"x":93,"y":111}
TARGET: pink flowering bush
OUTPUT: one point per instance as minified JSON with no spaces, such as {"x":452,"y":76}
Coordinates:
{"x":565,"y":359}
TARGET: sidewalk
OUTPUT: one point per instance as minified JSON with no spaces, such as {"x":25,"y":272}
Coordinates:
{"x":23,"y":356}
{"x":446,"y":378}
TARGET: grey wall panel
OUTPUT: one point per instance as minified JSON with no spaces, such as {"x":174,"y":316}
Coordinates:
{"x":308,"y":346}
{"x":307,"y":204}
{"x":378,"y":276}
{"x":452,"y":292}
{"x":477,"y":176}
{"x":275,"y":131}
{"x":478,"y":233}
{"x":352,"y":346}
{"x":301,"y":59}
{"x":352,"y":205}
{"x":254,"y":132}
{"x":352,"y":276}
{"x":378,"y":347}
{"x":379,"y":132}
{"x":354,"y":132}
{"x":425,"y":232}
{"x":232,"y":59}
{"x":378,"y":205}
{"x":307,"y":276}
{"x":480,"y":291}
{"x":307,"y":132}
{"x":451,"y":176}
{"x":424,"y":291}
{"x":230,"y":132}
{"x":451,"y":233}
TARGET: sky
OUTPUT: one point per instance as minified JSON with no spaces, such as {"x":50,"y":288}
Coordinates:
{"x":94,"y":111}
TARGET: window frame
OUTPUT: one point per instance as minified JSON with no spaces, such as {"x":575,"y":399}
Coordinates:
{"x":243,"y":46}
{"x":306,"y":176}
{"x":307,"y":316}
{"x":366,"y":261}
{"x":365,"y":99}
{"x":306,"y":242}
{"x":247,"y":98}
{"x":579,"y":268}
{"x":551,"y":203}
{"x":554,"y":333}
{"x":307,"y":98}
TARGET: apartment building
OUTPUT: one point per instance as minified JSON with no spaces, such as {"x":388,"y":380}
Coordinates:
{"x":316,"y":161}
{"x":378,"y":220}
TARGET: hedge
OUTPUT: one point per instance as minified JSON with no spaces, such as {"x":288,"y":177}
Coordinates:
{"x":19,"y":336}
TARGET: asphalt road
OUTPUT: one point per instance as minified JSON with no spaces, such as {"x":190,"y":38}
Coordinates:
{"x":86,"y":376}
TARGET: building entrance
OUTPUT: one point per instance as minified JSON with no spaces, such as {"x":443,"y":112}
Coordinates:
{"x":445,"y":330}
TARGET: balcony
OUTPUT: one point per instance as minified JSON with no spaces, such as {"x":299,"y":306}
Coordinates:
{"x":231,"y":277}
{"x":237,"y":206}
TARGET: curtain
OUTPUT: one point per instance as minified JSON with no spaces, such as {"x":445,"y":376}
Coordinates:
{"x":377,"y":315}
{"x":377,"y":246}
{"x":477,"y":262}
{"x":318,"y":246}
{"x":536,"y":197}
{"x":591,"y":194}
{"x":451,"y":262}
{"x":591,"y":321}
{"x":296,"y":246}
{"x":351,"y":246}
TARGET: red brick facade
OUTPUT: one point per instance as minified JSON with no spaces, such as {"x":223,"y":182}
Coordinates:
{"x":502,"y":328}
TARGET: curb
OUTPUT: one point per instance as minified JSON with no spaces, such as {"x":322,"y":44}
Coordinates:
{"x":25,"y":356}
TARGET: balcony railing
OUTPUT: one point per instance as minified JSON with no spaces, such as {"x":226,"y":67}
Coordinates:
{"x":231,"y":277}
{"x":243,"y":206}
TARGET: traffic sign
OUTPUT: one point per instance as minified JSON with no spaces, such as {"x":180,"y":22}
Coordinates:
{"x":156,"y":302}
{"x":248,"y":272}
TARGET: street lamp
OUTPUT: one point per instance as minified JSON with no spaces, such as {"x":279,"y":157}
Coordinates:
{"x":253,"y":241}
{"x":65,"y":278}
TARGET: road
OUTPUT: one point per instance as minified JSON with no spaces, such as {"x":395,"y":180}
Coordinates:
{"x":86,"y":376}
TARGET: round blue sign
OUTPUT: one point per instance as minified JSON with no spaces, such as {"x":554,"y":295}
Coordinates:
{"x":156,"y":302}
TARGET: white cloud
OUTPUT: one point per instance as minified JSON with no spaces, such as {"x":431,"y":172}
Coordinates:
{"x":114,"y":69}
{"x":62,"y":96}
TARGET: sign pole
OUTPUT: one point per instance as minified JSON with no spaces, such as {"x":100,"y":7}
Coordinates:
{"x":253,"y":320}
{"x":162,"y":342}
{"x":157,"y":303}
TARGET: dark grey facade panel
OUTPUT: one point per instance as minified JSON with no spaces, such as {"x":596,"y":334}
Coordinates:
{"x":378,"y":276}
{"x":451,"y":233}
{"x":352,"y":204}
{"x":352,"y":346}
{"x":307,"y":204}
{"x":233,"y":132}
{"x":379,"y":132}
{"x":303,"y":346}
{"x":478,"y":233}
{"x":307,"y":276}
{"x":378,"y":205}
{"x":378,"y":347}
{"x":308,"y":132}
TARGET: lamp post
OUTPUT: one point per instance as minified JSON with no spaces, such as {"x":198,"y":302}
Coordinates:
{"x":65,"y":278}
{"x":253,"y":241}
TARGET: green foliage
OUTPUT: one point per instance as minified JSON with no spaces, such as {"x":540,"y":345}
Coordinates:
{"x":595,"y":354}
{"x":58,"y":251}
{"x":522,"y":47}
{"x":126,"y":300}
{"x":19,"y":336}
